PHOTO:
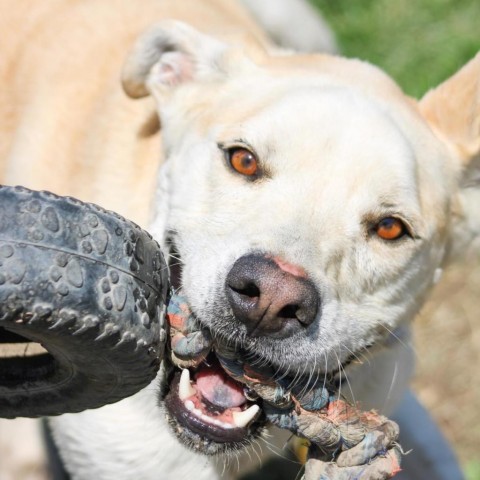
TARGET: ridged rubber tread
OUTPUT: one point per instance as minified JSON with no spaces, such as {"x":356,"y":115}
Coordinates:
{"x":91,"y":287}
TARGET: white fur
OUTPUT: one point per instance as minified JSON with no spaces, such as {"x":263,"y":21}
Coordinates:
{"x":127,"y":440}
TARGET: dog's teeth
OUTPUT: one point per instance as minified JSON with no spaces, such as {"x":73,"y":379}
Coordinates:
{"x":242,"y":419}
{"x":189,"y":405}
{"x":185,"y":390}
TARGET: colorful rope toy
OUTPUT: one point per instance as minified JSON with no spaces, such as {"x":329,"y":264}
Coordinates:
{"x":346,"y":443}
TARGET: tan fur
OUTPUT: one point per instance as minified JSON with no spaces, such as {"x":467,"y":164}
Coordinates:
{"x":453,"y":110}
{"x":67,"y":125}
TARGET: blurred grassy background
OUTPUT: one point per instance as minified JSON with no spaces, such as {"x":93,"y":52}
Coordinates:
{"x":420,"y":44}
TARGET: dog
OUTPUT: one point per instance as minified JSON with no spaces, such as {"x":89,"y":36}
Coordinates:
{"x":310,"y":203}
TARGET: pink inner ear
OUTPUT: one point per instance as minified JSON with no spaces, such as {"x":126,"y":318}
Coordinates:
{"x":173,"y":68}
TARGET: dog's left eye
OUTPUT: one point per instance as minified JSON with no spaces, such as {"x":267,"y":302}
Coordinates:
{"x":243,"y":161}
{"x":390,"y":228}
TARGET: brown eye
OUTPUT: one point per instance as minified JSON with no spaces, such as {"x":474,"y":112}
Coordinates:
{"x":390,"y":228}
{"x":243,"y":161}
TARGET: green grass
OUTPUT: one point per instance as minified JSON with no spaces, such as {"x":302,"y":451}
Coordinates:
{"x":472,"y":470}
{"x":419,"y":43}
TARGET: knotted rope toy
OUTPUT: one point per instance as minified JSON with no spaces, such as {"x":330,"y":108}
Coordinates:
{"x":346,"y":443}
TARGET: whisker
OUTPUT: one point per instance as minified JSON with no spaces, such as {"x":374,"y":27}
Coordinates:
{"x":349,"y":384}
{"x":311,"y":385}
{"x":256,"y":443}
{"x":407,"y":346}
{"x":175,"y":264}
{"x":300,"y":473}
{"x":279,"y":453}
{"x":272,"y":450}
{"x":392,"y":383}
{"x":326,"y":369}
{"x":367,"y":355}
{"x":354,"y":355}
{"x":340,"y":374}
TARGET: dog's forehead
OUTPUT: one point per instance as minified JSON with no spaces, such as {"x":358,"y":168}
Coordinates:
{"x":330,"y":119}
{"x":329,"y":132}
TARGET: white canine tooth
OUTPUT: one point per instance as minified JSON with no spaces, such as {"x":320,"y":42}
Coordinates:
{"x":185,"y":390}
{"x":189,"y":405}
{"x":242,"y":419}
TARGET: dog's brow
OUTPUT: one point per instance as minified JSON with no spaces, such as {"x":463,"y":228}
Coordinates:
{"x":389,"y":206}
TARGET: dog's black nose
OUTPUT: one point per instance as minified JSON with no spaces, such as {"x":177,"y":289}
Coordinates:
{"x":270,"y":296}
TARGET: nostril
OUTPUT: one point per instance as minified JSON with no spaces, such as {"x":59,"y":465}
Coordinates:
{"x":249,"y":290}
{"x":289,"y":311}
{"x":307,"y":315}
{"x":304,"y":314}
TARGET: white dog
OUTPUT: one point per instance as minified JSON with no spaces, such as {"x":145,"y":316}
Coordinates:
{"x":311,"y":203}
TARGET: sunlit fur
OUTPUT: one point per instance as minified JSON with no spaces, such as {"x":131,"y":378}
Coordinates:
{"x":341,"y":147}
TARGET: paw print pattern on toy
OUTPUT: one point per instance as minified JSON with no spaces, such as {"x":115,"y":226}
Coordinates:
{"x":90,"y":287}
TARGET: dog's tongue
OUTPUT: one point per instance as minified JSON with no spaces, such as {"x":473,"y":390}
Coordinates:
{"x":219,"y":389}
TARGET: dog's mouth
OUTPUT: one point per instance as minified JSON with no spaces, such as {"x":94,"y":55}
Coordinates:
{"x":215,"y":400}
{"x":210,"y":411}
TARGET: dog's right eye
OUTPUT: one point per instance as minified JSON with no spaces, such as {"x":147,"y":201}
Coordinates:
{"x":390,"y":228}
{"x":243,"y":161}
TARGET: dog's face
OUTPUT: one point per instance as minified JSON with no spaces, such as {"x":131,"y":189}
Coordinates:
{"x":333,"y":172}
{"x":308,"y":201}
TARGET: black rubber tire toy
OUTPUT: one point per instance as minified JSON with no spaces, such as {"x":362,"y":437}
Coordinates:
{"x":91,"y":288}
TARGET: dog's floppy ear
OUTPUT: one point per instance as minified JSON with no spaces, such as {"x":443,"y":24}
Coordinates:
{"x":168,"y":54}
{"x":453,"y":111}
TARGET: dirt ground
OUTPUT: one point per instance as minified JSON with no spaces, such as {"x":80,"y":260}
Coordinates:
{"x":447,"y":336}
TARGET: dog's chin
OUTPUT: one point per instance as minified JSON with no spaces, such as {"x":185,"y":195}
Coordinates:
{"x":212,"y":415}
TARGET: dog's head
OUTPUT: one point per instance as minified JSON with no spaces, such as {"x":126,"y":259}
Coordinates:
{"x":310,"y":202}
